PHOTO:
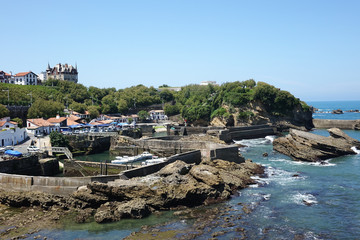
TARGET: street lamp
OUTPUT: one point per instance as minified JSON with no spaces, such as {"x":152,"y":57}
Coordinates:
{"x":8,"y":95}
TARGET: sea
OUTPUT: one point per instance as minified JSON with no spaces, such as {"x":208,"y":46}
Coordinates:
{"x":292,"y":200}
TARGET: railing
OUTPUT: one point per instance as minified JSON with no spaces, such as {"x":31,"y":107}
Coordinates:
{"x":64,"y":150}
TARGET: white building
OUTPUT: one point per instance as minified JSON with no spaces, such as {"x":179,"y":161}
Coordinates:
{"x":42,"y":76}
{"x":40,"y":126}
{"x":10,"y":134}
{"x":26,"y":78}
{"x":5,"y":123}
{"x":205,"y":83}
{"x":158,"y":115}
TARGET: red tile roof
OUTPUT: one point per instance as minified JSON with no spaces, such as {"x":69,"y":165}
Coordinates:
{"x":2,"y":123}
{"x":56,"y":120}
{"x":40,"y":122}
{"x":22,"y":74}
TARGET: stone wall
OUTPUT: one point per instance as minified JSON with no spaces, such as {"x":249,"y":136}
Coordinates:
{"x":342,"y":124}
{"x":162,"y":146}
{"x":90,"y":143}
{"x":30,"y":166}
{"x":239,"y":133}
{"x":53,"y":185}
{"x":18,"y":111}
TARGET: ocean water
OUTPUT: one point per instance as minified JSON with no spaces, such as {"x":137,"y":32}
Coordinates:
{"x":292,"y":200}
{"x":326,"y":107}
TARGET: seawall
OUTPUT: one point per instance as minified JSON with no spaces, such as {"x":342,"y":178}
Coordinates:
{"x":239,"y":133}
{"x":342,"y":124}
{"x":66,"y":185}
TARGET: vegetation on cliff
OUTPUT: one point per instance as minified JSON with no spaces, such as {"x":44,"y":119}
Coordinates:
{"x":230,"y":102}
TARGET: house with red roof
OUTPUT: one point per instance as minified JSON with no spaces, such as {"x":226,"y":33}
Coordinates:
{"x":58,"y":121}
{"x":40,"y":126}
{"x":26,"y":78}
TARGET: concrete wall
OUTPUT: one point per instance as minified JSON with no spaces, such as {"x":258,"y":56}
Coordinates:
{"x":230,"y":154}
{"x":342,"y":124}
{"x":189,"y":157}
{"x":239,"y":133}
{"x":53,"y":185}
{"x":90,"y":143}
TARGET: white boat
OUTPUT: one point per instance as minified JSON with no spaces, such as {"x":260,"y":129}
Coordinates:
{"x":127,"y":159}
{"x":153,"y":161}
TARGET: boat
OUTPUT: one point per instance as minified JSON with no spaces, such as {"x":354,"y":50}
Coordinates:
{"x":127,"y":159}
{"x":153,"y":161}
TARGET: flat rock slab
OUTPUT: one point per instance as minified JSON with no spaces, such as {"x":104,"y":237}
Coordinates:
{"x":305,"y":146}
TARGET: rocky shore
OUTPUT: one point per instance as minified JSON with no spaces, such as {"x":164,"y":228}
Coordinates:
{"x":305,"y":146}
{"x":177,"y":185}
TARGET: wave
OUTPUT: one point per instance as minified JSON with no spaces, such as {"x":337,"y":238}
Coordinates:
{"x":256,"y":141}
{"x":306,"y":199}
{"x":357,"y":151}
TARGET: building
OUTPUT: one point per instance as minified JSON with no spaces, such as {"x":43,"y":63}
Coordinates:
{"x":25,"y":78}
{"x":5,"y":123}
{"x":10,"y":134}
{"x":40,"y":126}
{"x":62,"y":72}
{"x":6,"y":77}
{"x":158,"y":115}
{"x":2,"y":77}
{"x":42,"y":76}
{"x":81,"y":115}
{"x":205,"y":83}
{"x":58,"y":121}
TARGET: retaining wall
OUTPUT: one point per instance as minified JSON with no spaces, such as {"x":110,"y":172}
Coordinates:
{"x":239,"y":133}
{"x":342,"y":124}
{"x":53,"y":185}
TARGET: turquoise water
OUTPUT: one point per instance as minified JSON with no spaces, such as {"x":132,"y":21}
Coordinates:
{"x":278,"y":201}
{"x":326,"y":107}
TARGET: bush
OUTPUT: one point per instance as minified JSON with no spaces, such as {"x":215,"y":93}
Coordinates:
{"x":58,"y":140}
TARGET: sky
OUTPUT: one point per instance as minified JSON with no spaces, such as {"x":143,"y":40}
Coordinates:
{"x":309,"y":48}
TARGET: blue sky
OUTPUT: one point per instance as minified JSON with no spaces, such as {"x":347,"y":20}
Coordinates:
{"x":310,"y":48}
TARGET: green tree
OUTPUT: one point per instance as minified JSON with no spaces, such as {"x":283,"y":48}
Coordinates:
{"x":45,"y":109}
{"x":58,"y":140}
{"x":171,"y":110}
{"x":93,"y":111}
{"x":4,"y":112}
{"x":78,"y":107}
{"x":166,"y":95}
{"x":19,"y":122}
{"x":143,"y":115}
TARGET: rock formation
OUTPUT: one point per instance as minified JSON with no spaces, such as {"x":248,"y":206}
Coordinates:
{"x":176,"y":185}
{"x":305,"y":146}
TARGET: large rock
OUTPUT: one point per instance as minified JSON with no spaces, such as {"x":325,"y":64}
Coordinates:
{"x":114,"y":211}
{"x":305,"y":146}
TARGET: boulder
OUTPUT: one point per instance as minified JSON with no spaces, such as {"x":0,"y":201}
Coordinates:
{"x":337,"y":111}
{"x":305,"y":146}
{"x":114,"y":211}
{"x":176,"y":167}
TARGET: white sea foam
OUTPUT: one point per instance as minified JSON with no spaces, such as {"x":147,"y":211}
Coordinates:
{"x":270,"y":138}
{"x":357,"y":151}
{"x":325,"y":163}
{"x":255,"y":142}
{"x":304,"y":199}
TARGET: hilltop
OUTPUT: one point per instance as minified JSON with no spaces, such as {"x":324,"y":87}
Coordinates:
{"x":231,"y":104}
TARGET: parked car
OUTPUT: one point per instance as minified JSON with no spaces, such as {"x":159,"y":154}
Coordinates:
{"x":9,"y":148}
{"x":33,"y":149}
